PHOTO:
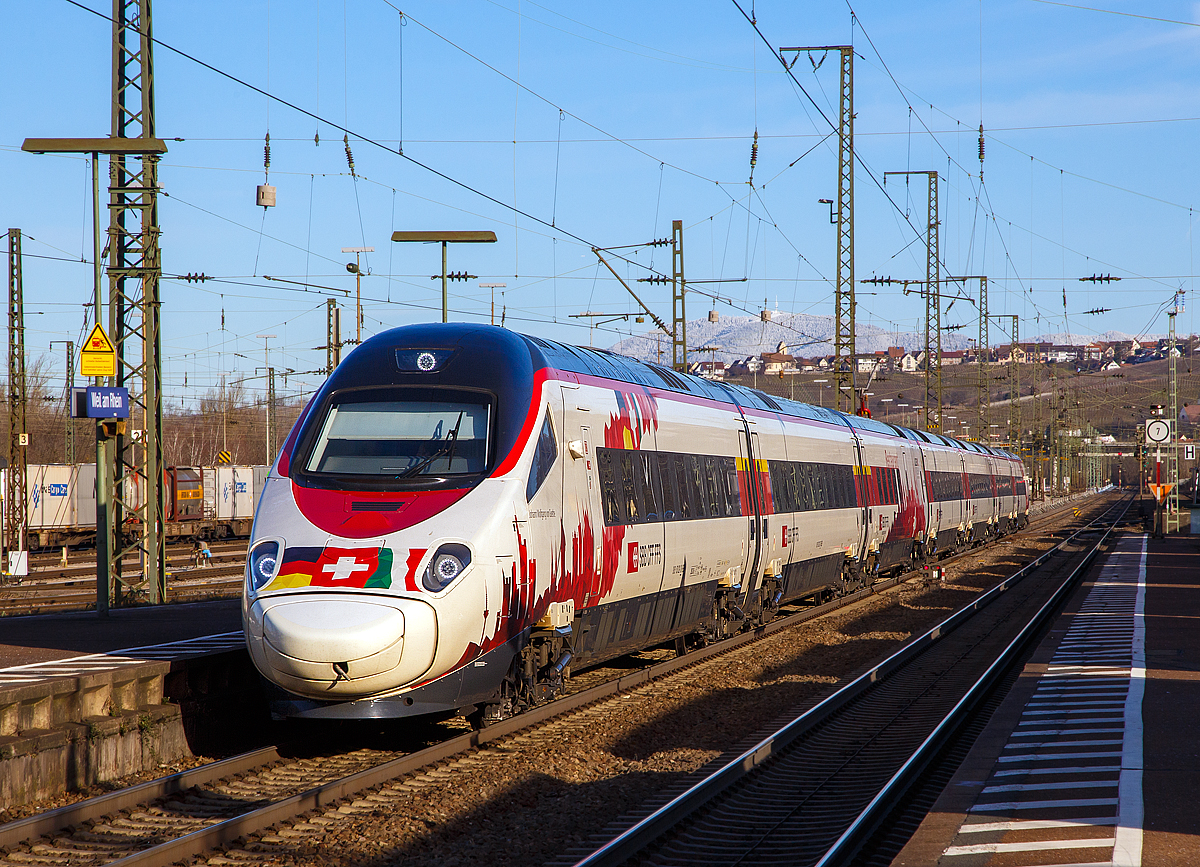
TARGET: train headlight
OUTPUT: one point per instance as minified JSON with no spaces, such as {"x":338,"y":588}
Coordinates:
{"x":264,"y":561}
{"x":447,"y":564}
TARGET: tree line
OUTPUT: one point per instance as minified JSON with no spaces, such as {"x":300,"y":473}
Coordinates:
{"x":229,"y":419}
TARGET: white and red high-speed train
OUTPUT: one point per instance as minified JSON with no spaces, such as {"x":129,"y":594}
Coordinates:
{"x":463,"y":513}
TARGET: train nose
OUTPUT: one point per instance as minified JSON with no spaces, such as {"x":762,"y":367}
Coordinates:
{"x":344,"y":647}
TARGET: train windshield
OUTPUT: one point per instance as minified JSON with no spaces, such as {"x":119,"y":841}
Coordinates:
{"x":402,"y":439}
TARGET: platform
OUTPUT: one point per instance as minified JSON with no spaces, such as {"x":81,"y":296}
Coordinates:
{"x":38,"y":640}
{"x":1092,"y":759}
{"x":87,"y":699}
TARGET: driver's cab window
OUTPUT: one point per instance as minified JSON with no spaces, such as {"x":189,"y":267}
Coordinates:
{"x":543,"y":459}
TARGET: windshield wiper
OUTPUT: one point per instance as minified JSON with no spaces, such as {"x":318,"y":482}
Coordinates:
{"x":447,"y":449}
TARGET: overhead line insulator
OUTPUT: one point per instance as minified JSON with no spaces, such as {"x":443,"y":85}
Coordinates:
{"x":349,"y":155}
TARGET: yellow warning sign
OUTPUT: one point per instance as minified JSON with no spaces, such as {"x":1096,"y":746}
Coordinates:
{"x":97,"y":356}
{"x":1160,"y":491}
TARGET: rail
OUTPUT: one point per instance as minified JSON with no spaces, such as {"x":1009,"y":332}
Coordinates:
{"x":253,"y":820}
{"x":645,"y":832}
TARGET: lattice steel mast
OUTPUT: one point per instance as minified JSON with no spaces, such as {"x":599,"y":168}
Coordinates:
{"x":678,"y":303}
{"x":134,"y":268}
{"x":1014,"y":382}
{"x":15,"y":515}
{"x":1173,"y":518}
{"x":844,"y":350}
{"x":933,"y":306}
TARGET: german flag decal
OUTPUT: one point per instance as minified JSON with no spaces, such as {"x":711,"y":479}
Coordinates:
{"x":334,"y":567}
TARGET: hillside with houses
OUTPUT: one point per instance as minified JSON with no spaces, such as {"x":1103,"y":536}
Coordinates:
{"x":783,"y":344}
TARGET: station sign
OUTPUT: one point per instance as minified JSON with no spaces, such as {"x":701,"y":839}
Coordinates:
{"x":97,"y":356}
{"x":101,"y":402}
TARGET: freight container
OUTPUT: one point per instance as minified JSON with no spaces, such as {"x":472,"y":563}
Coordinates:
{"x":260,"y":482}
{"x":52,"y":496}
{"x":85,"y":496}
{"x":185,"y":495}
{"x":213,"y":502}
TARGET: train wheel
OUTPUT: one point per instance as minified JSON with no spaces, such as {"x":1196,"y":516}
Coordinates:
{"x":487,"y":714}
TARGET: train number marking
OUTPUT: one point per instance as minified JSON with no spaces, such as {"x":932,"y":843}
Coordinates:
{"x":641,"y":556}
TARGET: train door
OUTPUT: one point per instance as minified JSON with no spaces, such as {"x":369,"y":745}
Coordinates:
{"x":582,"y":518}
{"x":576,"y":537}
{"x":751,"y":508}
{"x":922,"y":469}
{"x":539,"y":528}
{"x":862,"y":495}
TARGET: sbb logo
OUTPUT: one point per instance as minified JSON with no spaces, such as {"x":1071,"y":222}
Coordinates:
{"x":633,"y":556}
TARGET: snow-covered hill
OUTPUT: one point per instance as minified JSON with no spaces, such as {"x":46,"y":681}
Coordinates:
{"x":805,"y":337}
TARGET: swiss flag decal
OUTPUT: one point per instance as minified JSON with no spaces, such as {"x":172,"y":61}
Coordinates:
{"x":345,"y":567}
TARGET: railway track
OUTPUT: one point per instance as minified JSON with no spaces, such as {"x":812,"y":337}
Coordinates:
{"x":813,"y":791}
{"x":51,"y":588}
{"x":212,"y":806}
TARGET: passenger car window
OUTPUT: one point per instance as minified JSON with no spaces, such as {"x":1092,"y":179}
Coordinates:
{"x":670,"y":510}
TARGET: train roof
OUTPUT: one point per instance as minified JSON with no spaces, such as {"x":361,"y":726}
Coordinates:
{"x":610,"y":365}
{"x":371,"y":364}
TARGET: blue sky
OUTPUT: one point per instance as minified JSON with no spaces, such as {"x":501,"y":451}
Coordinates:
{"x":631,"y":115}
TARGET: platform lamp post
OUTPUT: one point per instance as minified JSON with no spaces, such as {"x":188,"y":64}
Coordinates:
{"x":444,"y":238}
{"x":106,"y":428}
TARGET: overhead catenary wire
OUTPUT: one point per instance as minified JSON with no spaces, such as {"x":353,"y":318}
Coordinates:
{"x":756,"y":200}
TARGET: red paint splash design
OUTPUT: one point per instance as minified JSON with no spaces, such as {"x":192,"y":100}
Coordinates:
{"x":636,"y":415}
{"x":910,"y":520}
